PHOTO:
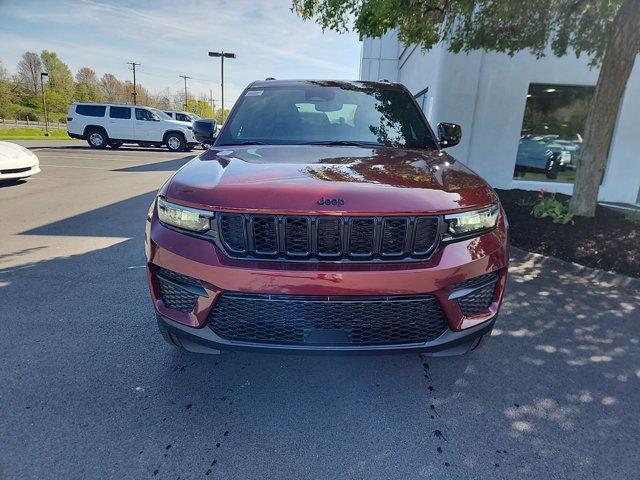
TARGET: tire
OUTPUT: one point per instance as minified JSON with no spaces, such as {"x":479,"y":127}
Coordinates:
{"x":115,"y":144}
{"x":175,"y":142}
{"x":166,"y":335}
{"x":552,"y":170}
{"x":97,"y":138}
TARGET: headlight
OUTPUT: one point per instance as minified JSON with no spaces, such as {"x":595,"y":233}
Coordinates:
{"x":470,"y":222}
{"x":184,"y":217}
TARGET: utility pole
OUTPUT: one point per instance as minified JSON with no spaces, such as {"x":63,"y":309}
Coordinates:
{"x":134,"y":94}
{"x":222,"y":56}
{"x":186,"y":95}
{"x":44,"y":104}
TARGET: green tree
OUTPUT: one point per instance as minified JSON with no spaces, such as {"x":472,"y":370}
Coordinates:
{"x":60,"y":86}
{"x":200,"y":107}
{"x":5,"y":92}
{"x":607,"y":31}
{"x":29,"y":68}
{"x":111,"y":87}
{"x":87,"y":87}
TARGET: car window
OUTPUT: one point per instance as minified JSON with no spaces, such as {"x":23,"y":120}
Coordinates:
{"x":143,"y":114}
{"x":182,"y":117}
{"x":321,"y":113}
{"x":161,"y":114}
{"x":91,"y":110}
{"x":120,"y":112}
{"x":169,"y":113}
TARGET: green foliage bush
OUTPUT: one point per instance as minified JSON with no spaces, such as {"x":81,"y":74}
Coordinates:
{"x":550,"y":206}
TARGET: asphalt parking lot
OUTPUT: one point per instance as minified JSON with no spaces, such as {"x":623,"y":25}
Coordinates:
{"x":90,"y":390}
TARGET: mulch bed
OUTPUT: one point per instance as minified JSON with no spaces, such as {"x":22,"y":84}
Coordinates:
{"x":608,"y":241}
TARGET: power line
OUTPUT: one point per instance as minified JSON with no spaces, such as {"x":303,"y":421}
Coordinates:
{"x":186,"y":95}
{"x":134,"y":93}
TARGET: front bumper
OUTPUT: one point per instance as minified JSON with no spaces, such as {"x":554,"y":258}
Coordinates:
{"x":438,"y":276}
{"x":16,"y":173}
{"x":204,"y":340}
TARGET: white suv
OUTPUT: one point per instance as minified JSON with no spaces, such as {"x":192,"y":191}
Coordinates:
{"x":183,"y":116}
{"x":103,"y":124}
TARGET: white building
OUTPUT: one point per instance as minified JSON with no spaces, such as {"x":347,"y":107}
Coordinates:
{"x":487,"y":93}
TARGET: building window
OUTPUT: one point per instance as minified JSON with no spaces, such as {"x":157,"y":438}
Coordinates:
{"x":552,"y":128}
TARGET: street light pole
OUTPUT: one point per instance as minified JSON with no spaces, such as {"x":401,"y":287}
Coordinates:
{"x":222,"y":56}
{"x":44,"y":103}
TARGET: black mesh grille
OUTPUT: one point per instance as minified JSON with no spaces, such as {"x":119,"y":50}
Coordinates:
{"x":328,"y":237}
{"x":297,"y":236}
{"x":233,"y":228}
{"x":477,"y":301}
{"x":361,"y":241}
{"x":287,"y":319}
{"x":425,"y":234}
{"x":475,"y":281}
{"x":265,"y":239}
{"x":172,"y":295}
{"x":480,"y":299}
{"x":394,"y":235}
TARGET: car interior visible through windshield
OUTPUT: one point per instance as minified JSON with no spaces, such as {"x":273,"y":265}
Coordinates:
{"x":320,"y":114}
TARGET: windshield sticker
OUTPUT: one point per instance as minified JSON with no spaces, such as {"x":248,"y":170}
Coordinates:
{"x":253,"y":93}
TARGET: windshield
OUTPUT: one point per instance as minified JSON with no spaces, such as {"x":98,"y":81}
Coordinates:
{"x":327,"y":114}
{"x":194,"y":116}
{"x":161,"y":114}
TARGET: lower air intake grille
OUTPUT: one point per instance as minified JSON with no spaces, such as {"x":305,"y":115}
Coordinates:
{"x":480,"y":299}
{"x":316,"y":320}
{"x":172,"y":295}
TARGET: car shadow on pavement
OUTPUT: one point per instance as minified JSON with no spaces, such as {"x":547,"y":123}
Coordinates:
{"x":90,"y":386}
{"x":166,"y":166}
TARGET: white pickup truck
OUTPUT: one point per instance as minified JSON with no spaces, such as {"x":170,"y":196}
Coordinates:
{"x":102,"y":124}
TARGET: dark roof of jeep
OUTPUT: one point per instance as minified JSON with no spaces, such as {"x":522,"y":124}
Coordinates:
{"x":349,"y":84}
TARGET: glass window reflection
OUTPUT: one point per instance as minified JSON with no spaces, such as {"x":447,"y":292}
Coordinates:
{"x":552,"y":129}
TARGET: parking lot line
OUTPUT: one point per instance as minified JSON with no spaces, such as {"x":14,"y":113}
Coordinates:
{"x":74,"y":166}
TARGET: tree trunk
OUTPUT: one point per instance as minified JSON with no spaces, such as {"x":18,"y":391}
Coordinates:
{"x":622,"y":48}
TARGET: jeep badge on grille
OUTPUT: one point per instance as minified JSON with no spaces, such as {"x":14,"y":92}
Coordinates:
{"x":331,"y":201}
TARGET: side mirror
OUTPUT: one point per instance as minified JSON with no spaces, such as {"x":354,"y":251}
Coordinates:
{"x":449,"y":134}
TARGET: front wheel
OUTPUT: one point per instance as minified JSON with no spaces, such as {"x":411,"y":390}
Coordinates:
{"x":175,"y":142}
{"x":97,"y":139}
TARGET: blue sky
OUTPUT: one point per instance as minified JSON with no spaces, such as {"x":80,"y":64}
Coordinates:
{"x":173,"y":38}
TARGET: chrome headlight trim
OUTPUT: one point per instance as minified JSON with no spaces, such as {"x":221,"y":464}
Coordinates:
{"x":183,"y":217}
{"x":470,"y":223}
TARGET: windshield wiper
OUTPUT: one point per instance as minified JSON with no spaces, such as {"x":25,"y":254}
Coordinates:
{"x":346,"y":143}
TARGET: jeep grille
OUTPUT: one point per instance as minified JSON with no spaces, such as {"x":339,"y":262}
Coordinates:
{"x":300,"y":237}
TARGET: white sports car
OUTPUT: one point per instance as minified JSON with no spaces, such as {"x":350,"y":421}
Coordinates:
{"x":17,"y":161}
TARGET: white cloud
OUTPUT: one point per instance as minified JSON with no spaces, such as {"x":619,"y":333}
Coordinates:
{"x":172,"y":38}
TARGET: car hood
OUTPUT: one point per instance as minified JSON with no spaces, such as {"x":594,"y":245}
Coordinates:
{"x":13,"y":156}
{"x":178,"y":123}
{"x":295,"y":178}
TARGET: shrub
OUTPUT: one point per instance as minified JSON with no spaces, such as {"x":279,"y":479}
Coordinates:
{"x":550,"y":206}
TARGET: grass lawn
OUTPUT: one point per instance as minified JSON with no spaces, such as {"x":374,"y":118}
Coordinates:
{"x":32,"y":134}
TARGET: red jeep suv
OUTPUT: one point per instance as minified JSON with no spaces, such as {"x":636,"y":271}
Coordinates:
{"x":326,"y":217}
